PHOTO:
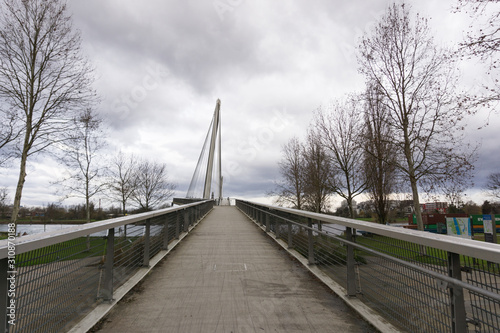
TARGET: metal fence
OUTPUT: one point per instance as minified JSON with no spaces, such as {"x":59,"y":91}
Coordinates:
{"x":59,"y":277}
{"x":418,"y":281}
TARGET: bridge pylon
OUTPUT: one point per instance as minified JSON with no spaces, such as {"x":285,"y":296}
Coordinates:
{"x":209,"y":166}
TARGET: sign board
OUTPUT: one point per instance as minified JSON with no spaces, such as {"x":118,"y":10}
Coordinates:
{"x":489,"y":228}
{"x":458,"y":226}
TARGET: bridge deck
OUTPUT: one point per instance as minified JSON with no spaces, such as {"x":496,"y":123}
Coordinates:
{"x":228,"y":276}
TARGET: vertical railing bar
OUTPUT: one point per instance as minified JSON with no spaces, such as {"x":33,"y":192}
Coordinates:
{"x":177,"y":224}
{"x":276,"y":227}
{"x":310,"y":240}
{"x":4,"y":299}
{"x":268,"y":223}
{"x":165,"y":233}
{"x":350,"y":262}
{"x":145,"y":261}
{"x":457,"y":303}
{"x":186,"y":220}
{"x":108,"y":266}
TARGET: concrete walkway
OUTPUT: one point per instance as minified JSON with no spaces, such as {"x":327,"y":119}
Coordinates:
{"x":228,"y":276}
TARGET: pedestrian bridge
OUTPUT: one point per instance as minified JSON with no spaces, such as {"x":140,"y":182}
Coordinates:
{"x":247,"y":268}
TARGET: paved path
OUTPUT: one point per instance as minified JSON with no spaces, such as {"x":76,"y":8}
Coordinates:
{"x":228,"y":276}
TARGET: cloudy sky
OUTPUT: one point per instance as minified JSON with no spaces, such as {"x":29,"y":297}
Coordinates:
{"x":161,"y":66}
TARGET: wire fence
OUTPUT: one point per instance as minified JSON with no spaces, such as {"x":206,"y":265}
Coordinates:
{"x":59,"y":277}
{"x":420,"y":282}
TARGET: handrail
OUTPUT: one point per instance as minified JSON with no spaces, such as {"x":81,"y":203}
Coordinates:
{"x":486,"y":251}
{"x":429,"y":272}
{"x":31,"y":242}
{"x":389,"y":272}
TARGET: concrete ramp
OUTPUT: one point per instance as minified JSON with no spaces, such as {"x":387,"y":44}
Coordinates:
{"x":229,"y":276}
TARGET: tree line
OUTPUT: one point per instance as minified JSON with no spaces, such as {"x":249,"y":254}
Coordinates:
{"x":48,"y":105}
{"x":403,"y":134}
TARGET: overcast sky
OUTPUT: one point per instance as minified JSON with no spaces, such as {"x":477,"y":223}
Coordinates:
{"x":161,"y":65}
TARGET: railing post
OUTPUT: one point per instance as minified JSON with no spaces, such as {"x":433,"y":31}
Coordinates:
{"x":145,"y":261}
{"x":290,"y":237}
{"x":4,"y":300}
{"x":459,"y":323}
{"x":107,"y":290}
{"x":268,"y":223}
{"x":165,"y":233}
{"x":186,"y":220}
{"x":310,"y":242}
{"x":177,"y":224}
{"x":350,"y":262}
{"x":277,"y":228}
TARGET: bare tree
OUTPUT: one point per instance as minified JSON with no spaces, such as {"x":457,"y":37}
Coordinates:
{"x":9,"y":132}
{"x":418,"y":82}
{"x":317,"y":174}
{"x":152,"y":187}
{"x":340,"y":128}
{"x":493,"y":185}
{"x":80,"y":154}
{"x":122,"y":178}
{"x":483,"y":41}
{"x":290,"y":188}
{"x":4,"y":201}
{"x":379,"y":157}
{"x":43,"y":76}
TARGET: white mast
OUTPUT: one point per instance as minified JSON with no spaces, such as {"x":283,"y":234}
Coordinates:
{"x":211,"y":153}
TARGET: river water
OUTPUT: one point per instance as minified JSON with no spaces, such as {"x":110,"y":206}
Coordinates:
{"x":30,"y":229}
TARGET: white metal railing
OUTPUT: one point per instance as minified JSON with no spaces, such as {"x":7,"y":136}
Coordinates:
{"x":419,"y":281}
{"x":49,"y":281}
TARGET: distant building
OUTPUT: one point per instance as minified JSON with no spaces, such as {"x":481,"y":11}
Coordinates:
{"x":432,"y":207}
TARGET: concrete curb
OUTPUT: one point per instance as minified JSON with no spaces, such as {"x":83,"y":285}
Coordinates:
{"x":99,"y":312}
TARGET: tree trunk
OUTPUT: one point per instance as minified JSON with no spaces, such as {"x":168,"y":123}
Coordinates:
{"x":416,"y":204}
{"x":19,"y":189}
{"x":87,"y":210}
{"x":88,"y":215}
{"x":418,"y":211}
{"x":349,"y":206}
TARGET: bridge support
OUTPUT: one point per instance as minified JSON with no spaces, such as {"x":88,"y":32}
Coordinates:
{"x":213,"y":145}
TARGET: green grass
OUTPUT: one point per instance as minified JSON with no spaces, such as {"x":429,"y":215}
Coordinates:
{"x":75,"y":249}
{"x":327,"y":251}
{"x":366,"y":219}
{"x":69,"y":250}
{"x":412,"y":252}
{"x":480,"y":237}
{"x":392,"y":220}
